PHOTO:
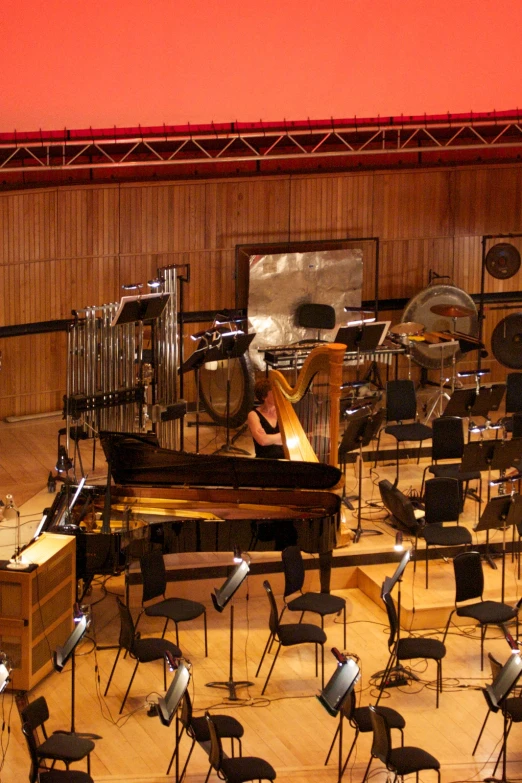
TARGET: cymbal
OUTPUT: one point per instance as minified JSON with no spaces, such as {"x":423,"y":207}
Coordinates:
{"x":452,"y":311}
{"x":410,"y":327}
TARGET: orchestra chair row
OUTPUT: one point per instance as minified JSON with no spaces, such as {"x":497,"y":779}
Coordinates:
{"x":59,"y":746}
{"x":290,"y":635}
{"x":401,"y":407}
{"x":448,"y":444}
{"x":142,"y":650}
{"x":469,"y":601}
{"x":197,"y":730}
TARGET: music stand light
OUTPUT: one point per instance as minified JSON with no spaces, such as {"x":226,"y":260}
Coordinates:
{"x":495,"y":694}
{"x":220,"y":598}
{"x":5,"y":672}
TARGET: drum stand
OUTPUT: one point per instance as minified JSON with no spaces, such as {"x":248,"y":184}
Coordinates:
{"x":442,"y":394}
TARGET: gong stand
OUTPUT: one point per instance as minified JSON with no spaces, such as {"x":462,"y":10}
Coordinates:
{"x":502,"y":261}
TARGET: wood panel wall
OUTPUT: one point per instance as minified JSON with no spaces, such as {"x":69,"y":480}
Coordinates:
{"x":69,"y":247}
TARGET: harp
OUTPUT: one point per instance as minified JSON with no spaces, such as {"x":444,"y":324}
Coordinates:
{"x":318,"y":419}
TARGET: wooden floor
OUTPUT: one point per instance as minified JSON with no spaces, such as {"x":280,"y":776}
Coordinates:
{"x":288,"y":726}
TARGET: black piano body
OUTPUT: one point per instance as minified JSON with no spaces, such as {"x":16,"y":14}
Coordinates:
{"x":186,"y":502}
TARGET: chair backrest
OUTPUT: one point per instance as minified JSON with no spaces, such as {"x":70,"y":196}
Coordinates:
{"x":216,"y":749}
{"x":392,"y":618}
{"x":35,"y":714}
{"x":293,"y":568}
{"x":315,"y":316}
{"x":495,"y":665}
{"x":273,"y":622}
{"x":514,"y":392}
{"x":469,"y":578}
{"x":349,"y":704}
{"x":186,"y":711}
{"x":381,"y":745}
{"x":127,"y":629}
{"x":153,"y":574}
{"x":442,"y":500}
{"x":517,"y":424}
{"x":447,"y":438}
{"x":401,"y":402}
{"x":399,"y":506}
{"x":31,"y":745}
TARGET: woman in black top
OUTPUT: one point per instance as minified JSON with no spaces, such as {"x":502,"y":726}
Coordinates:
{"x":263,"y":424}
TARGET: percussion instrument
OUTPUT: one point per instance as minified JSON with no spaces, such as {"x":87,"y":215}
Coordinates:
{"x":406,"y":330}
{"x":452,"y":311}
{"x":503,"y":260}
{"x":506,"y":341}
{"x":420,"y":309}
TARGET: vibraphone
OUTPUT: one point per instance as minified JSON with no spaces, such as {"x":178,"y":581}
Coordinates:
{"x":292,"y":357}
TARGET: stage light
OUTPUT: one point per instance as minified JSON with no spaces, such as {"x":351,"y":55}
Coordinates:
{"x":398,"y":546}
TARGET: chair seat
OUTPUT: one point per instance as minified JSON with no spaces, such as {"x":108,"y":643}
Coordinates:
{"x":414,"y":431}
{"x":319,"y":603}
{"x":239,"y":770}
{"x":452,"y":470}
{"x":361,"y":716}
{"x":178,"y":610}
{"x":513,"y":707}
{"x":300,"y":633}
{"x":438,"y":535}
{"x":152,"y":649}
{"x":420,"y":648}
{"x":66,"y":747}
{"x":64,"y":776}
{"x":488,"y":612}
{"x":409,"y":759}
{"x":227,"y":727}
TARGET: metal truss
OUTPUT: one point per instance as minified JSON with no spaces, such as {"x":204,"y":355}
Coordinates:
{"x":237,"y":146}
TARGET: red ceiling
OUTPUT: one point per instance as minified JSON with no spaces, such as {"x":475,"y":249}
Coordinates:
{"x":106,"y":63}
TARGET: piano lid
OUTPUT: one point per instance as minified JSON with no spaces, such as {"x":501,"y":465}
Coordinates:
{"x":138,"y":460}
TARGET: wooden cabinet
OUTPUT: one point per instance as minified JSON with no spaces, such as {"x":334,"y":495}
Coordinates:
{"x":36,"y":608}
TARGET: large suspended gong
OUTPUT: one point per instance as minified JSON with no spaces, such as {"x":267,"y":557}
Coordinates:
{"x":419,"y":310}
{"x":503,"y":260}
{"x":506,"y":341}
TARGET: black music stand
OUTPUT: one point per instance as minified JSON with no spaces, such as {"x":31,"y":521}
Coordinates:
{"x":62,"y":655}
{"x":387,"y":586}
{"x":148,"y":307}
{"x":167,"y":707}
{"x":496,"y":517}
{"x":337,"y":689}
{"x":220,"y":598}
{"x":361,"y":429}
{"x":465,"y":403}
{"x":231,"y":346}
{"x":364,"y":338}
{"x":195,"y":362}
{"x":495,"y":695}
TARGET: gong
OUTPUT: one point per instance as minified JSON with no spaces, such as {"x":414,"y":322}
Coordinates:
{"x":506,"y":341}
{"x":419,"y":309}
{"x":213,"y":390}
{"x":503,"y":260}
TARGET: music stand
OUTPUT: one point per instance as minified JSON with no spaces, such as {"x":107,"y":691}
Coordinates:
{"x":148,"y":307}
{"x":361,"y":429}
{"x":363,"y":337}
{"x":465,"y":403}
{"x":220,"y":598}
{"x":195,"y":362}
{"x":337,"y":689}
{"x":231,"y":346}
{"x":62,"y":655}
{"x":495,"y":695}
{"x":496,"y":517}
{"x":387,"y":587}
{"x":167,"y":707}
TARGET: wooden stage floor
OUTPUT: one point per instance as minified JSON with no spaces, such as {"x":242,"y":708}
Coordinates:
{"x":288,"y":726}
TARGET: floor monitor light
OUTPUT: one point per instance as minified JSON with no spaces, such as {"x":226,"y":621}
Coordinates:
{"x":220,"y":598}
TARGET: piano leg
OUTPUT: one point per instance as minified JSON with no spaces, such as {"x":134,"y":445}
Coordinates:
{"x":325,"y":570}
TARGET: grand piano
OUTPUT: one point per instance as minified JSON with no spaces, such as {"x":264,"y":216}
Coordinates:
{"x":187,"y":502}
